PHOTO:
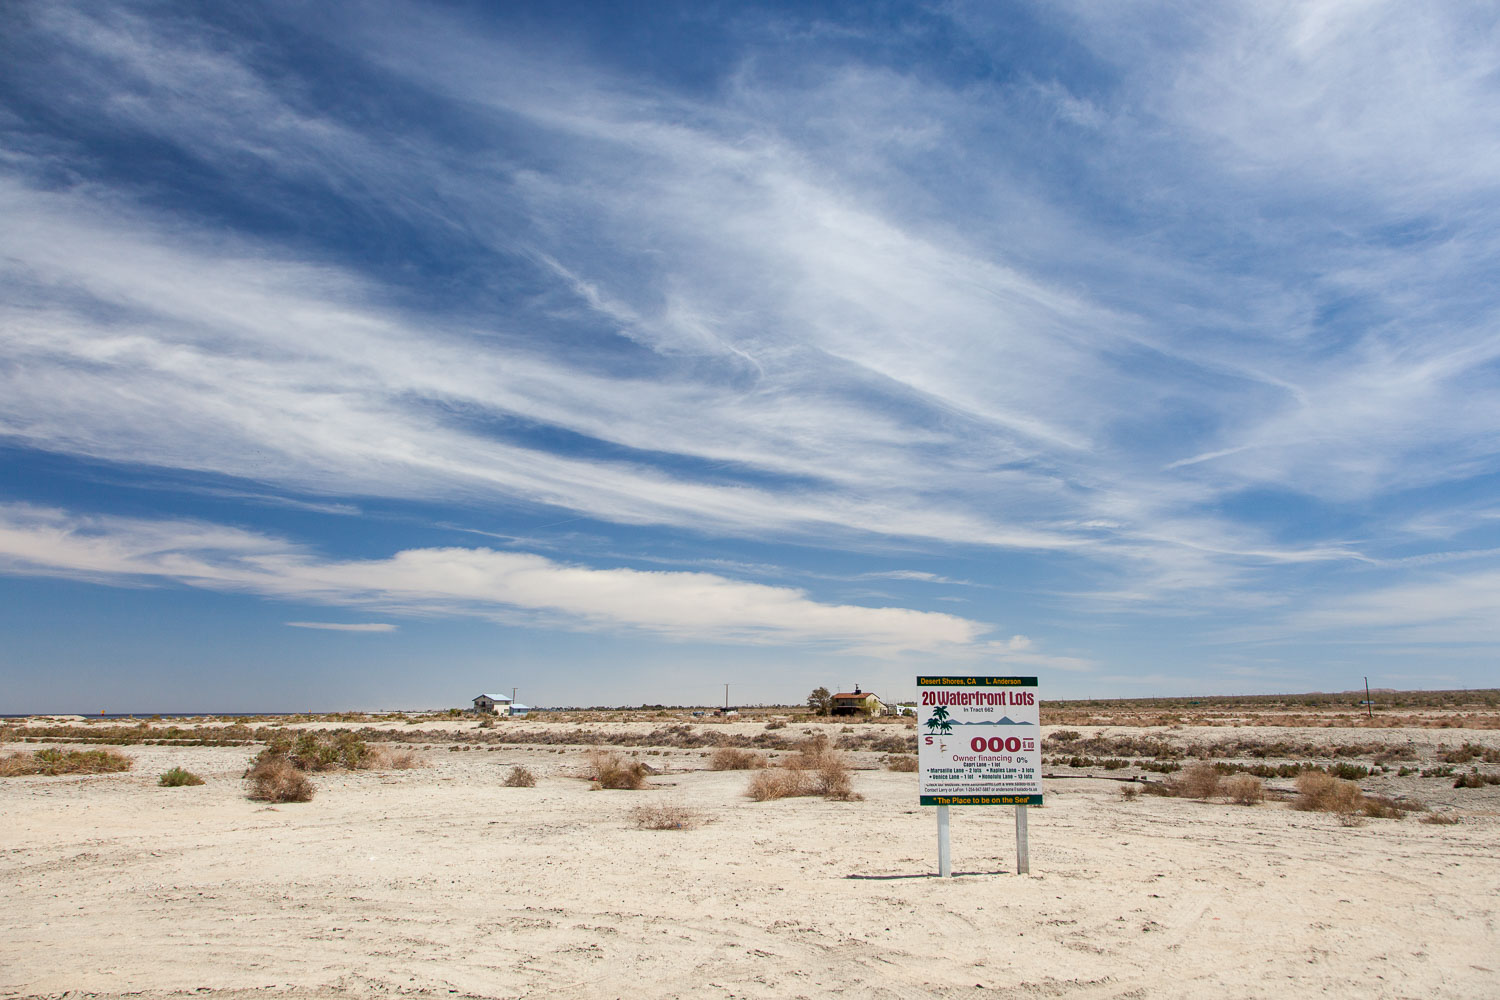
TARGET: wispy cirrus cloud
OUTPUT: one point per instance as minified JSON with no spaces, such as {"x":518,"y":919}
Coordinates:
{"x":1190,"y":319}
{"x":513,"y":586}
{"x":344,"y":627}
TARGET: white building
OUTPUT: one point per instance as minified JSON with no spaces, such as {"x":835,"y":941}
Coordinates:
{"x":498,"y":704}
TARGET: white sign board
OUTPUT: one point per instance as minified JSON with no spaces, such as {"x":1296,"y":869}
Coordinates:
{"x":979,"y":741}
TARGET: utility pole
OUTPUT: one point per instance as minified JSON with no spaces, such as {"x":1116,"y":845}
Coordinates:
{"x":726,"y":697}
{"x":1369,"y":705}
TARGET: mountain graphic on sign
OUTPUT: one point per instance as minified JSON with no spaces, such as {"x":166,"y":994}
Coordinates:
{"x":1004,"y":720}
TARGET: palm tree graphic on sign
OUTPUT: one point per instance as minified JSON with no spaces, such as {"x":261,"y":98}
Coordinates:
{"x":938,"y":720}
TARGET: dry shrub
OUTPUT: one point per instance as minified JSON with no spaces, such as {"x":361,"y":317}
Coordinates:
{"x":520,"y":777}
{"x":815,"y":769}
{"x":610,"y":770}
{"x":662,"y":816}
{"x":397,"y":760}
{"x":274,"y":778}
{"x":1385,"y":807}
{"x":315,"y":751}
{"x":1201,"y":781}
{"x":1244,"y":789}
{"x":1440,"y":819}
{"x":901,"y":762}
{"x":779,"y":783}
{"x":1320,"y":792}
{"x":735,"y":759}
{"x":831,"y":779}
{"x":54,"y":762}
{"x":810,"y":754}
{"x":1129,"y":792}
{"x":177,"y":777}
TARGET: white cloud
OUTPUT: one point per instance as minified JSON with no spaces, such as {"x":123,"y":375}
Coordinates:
{"x":837,"y":353}
{"x":512,"y":586}
{"x":341,"y":627}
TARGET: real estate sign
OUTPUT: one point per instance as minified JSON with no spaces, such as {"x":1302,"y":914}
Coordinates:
{"x":979,"y":741}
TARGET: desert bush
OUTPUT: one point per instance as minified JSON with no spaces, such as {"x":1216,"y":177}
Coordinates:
{"x":53,"y":762}
{"x":662,"y":816}
{"x":276,"y":779}
{"x":1384,"y":807}
{"x":735,"y":759}
{"x":397,"y":760}
{"x":1244,"y":789}
{"x":901,"y":762}
{"x":1470,"y":751}
{"x":321,"y":751}
{"x":832,"y":780}
{"x":1321,"y":792}
{"x":1200,"y":781}
{"x":1440,"y":819}
{"x":776,"y":724}
{"x":779,"y":783}
{"x":1476,"y":780}
{"x":610,"y":770}
{"x":1129,"y":792}
{"x":810,"y":753}
{"x":178,"y":777}
{"x":520,"y":777}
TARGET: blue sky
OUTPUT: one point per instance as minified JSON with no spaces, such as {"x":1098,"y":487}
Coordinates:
{"x":374,"y":355}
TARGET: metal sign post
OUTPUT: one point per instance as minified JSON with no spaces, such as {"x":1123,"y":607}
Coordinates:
{"x":945,"y":854}
{"x":1023,"y":850}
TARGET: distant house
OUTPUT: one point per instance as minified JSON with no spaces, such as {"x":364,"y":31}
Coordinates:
{"x":495,"y":704}
{"x":856,"y":702}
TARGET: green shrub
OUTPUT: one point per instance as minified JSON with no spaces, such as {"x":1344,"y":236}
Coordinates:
{"x":177,"y":777}
{"x":53,"y":762}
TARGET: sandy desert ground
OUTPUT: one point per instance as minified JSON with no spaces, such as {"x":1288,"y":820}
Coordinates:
{"x":441,"y":881}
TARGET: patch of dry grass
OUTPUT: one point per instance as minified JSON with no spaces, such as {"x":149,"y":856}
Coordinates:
{"x":665,"y":816}
{"x":815,"y":769}
{"x":178,"y":777}
{"x":610,"y":770}
{"x":904,"y":762}
{"x":520,"y":777}
{"x":1244,"y":789}
{"x":1320,"y":792}
{"x":274,"y":778}
{"x":779,"y":783}
{"x":1200,"y":781}
{"x":53,"y":762}
{"x":394,"y":760}
{"x":735,"y":759}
